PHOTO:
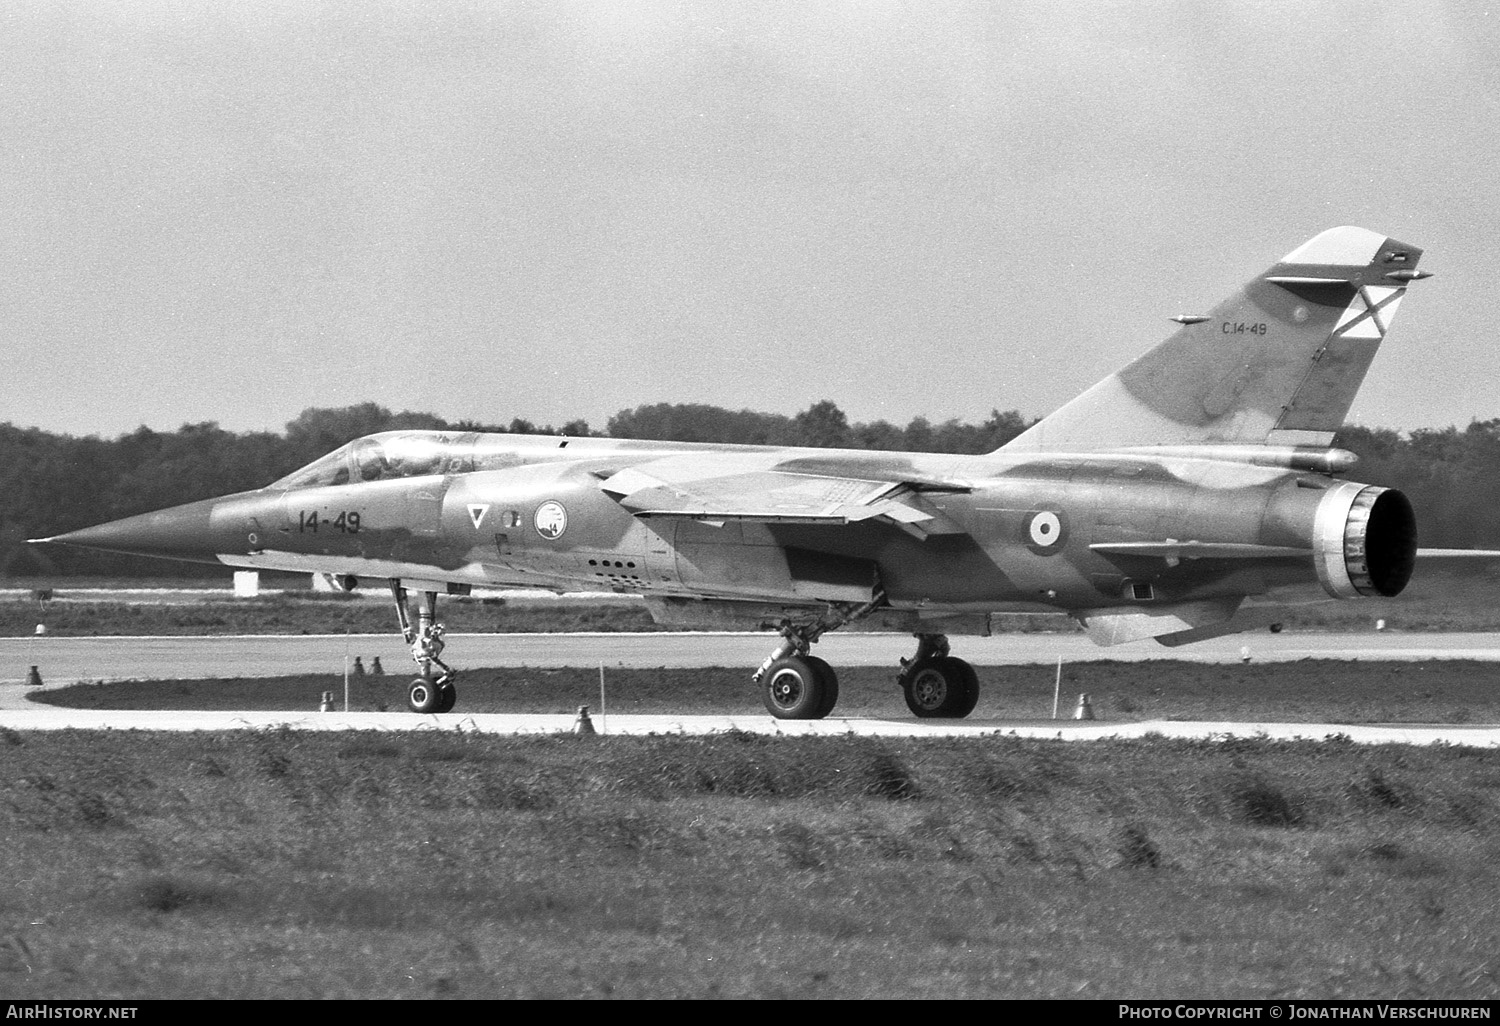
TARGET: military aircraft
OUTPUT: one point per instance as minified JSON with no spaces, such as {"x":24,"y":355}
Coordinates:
{"x":1151,"y":506}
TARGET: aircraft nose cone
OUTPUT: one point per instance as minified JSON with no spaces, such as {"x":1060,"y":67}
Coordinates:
{"x":182,"y":532}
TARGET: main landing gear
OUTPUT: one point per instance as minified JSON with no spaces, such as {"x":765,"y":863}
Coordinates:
{"x":800,"y":686}
{"x":432,"y":692}
{"x":937,"y":684}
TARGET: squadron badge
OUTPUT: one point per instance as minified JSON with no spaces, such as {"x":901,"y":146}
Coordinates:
{"x":551,"y":520}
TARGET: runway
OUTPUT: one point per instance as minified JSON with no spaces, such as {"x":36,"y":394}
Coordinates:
{"x":63,"y":659}
{"x":44,"y":718}
{"x":67,"y":660}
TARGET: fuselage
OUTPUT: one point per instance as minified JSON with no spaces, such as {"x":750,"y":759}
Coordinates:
{"x":1049,"y":531}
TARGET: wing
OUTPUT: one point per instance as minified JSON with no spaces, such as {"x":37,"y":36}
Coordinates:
{"x":701,"y":490}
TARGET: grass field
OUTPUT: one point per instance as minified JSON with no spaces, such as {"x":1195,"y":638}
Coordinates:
{"x":287,"y":864}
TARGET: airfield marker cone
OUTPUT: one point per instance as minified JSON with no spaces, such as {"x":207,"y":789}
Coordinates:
{"x":41,"y":628}
{"x":376,"y":670}
{"x":34,"y":678}
{"x":327,"y":704}
{"x":583,"y":725}
{"x":1085,"y":711}
{"x":359,"y":667}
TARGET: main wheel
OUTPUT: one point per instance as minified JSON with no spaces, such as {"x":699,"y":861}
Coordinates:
{"x":971,"y":689}
{"x":795,"y":690}
{"x":425,"y":696}
{"x":944,"y":687}
{"x":830,"y":682}
{"x":447,"y":696}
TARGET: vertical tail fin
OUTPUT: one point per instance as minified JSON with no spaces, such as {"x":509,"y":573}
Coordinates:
{"x":1278,"y":363}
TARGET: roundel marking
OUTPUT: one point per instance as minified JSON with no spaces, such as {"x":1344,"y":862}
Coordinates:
{"x":1045,"y":528}
{"x":551,"y":520}
{"x":1045,"y":531}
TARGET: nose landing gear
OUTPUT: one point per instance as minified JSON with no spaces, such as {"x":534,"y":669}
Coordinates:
{"x":433,"y":692}
{"x":432,"y":696}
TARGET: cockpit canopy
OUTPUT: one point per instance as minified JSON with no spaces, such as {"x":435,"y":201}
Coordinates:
{"x":382,"y":457}
{"x":400,"y":454}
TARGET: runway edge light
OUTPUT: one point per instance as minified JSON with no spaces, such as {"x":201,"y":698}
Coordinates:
{"x":34,"y":678}
{"x":583,"y":725}
{"x":1085,"y":711}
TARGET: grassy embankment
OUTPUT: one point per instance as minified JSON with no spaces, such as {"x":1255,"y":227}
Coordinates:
{"x":288,"y":864}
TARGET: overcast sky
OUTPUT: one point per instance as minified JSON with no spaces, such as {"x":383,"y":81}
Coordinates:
{"x":234,"y":211}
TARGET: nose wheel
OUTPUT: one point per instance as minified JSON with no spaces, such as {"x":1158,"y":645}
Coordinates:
{"x":432,"y":696}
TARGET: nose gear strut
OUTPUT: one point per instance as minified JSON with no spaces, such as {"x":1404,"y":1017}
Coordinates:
{"x":431,"y":692}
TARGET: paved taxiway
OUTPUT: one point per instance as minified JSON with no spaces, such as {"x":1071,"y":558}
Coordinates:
{"x":45,"y":718}
{"x":65,"y":660}
{"x":160,"y":658}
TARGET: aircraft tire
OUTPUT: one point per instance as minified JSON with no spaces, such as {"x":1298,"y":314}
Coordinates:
{"x":447,"y":697}
{"x":425,"y":696}
{"x":830,"y":682}
{"x":970,"y":699}
{"x":945,"y":688}
{"x":795,"y":690}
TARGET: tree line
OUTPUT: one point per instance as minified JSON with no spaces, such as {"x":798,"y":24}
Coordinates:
{"x":52,"y":483}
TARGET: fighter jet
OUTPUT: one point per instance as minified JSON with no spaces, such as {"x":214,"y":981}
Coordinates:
{"x":1151,"y":506}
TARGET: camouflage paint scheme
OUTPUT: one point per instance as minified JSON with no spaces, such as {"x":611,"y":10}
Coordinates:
{"x":1150,"y":506}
